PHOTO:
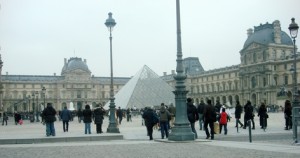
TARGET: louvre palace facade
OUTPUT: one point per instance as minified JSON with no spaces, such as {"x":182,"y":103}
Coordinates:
{"x":263,"y":74}
{"x":74,"y":87}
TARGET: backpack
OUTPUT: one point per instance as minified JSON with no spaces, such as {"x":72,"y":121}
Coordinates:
{"x":155,"y":118}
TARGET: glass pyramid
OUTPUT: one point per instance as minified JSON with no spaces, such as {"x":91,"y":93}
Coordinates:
{"x":146,"y":88}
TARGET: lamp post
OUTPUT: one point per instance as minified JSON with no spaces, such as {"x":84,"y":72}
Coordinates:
{"x":1,"y":87}
{"x":112,"y":127}
{"x":33,"y":107}
{"x":44,"y":95}
{"x":37,"y":108}
{"x":296,"y":108}
{"x":181,"y":130}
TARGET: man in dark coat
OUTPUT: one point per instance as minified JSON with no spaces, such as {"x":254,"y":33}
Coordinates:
{"x":237,"y":113}
{"x":150,"y":116}
{"x":49,"y":115}
{"x":248,"y":108}
{"x":87,"y":119}
{"x":120,"y":115}
{"x":79,"y":115}
{"x":65,"y":116}
{"x":209,"y":119}
{"x":98,"y":116}
{"x":192,"y":114}
{"x":200,"y":110}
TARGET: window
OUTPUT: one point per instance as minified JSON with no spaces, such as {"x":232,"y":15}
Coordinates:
{"x":275,"y":67}
{"x":78,"y":94}
{"x":275,"y":81}
{"x":254,"y":57}
{"x":264,"y":81}
{"x":285,"y":66}
{"x":286,"y":80}
{"x":253,"y":82}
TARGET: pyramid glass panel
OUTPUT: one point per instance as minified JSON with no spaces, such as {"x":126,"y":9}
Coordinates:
{"x":146,"y":88}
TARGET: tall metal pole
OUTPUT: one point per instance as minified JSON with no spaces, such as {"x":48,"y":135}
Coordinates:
{"x":293,"y":27}
{"x":37,"y":106}
{"x":1,"y":86}
{"x":33,"y":106}
{"x":181,"y":130}
{"x":112,"y":127}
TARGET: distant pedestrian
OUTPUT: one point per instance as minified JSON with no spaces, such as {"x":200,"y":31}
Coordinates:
{"x":87,"y":119}
{"x":17,"y":117}
{"x":164,"y":116}
{"x":79,"y":115}
{"x":200,"y":109}
{"x":223,"y":121}
{"x":209,"y":119}
{"x":172,"y":111}
{"x":98,"y":116}
{"x":288,"y":114}
{"x":4,"y":119}
{"x":120,"y":115}
{"x":49,"y":113}
{"x":151,"y":119}
{"x":128,"y":115}
{"x":65,"y":116}
{"x":237,"y":113}
{"x":192,"y":115}
{"x":263,"y":116}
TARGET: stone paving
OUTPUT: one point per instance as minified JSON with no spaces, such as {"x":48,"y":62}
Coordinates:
{"x":274,"y":142}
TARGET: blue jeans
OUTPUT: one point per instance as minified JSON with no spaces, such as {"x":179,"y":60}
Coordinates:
{"x":164,"y":129}
{"x":50,"y":130}
{"x":194,"y":130}
{"x":201,"y":121}
{"x":87,"y":128}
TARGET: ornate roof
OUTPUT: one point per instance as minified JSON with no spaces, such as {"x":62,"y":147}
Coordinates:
{"x":75,"y":63}
{"x":264,"y":34}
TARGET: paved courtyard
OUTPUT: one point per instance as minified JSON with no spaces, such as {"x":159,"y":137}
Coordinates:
{"x":274,"y":142}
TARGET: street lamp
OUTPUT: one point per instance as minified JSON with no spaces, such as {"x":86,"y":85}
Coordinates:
{"x":37,"y":104}
{"x":1,"y":87}
{"x":112,"y":127}
{"x":33,"y":106}
{"x":44,"y":95}
{"x":181,"y":130}
{"x":296,"y":108}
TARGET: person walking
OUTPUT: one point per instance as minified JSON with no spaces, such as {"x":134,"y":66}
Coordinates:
{"x":209,"y":115}
{"x":49,"y":115}
{"x":164,"y":116}
{"x":120,"y":115}
{"x":172,"y":111}
{"x":151,"y":119}
{"x":288,"y":114}
{"x":128,"y":115}
{"x":237,"y":113}
{"x":87,"y":119}
{"x":79,"y":115}
{"x":98,"y":117}
{"x":200,"y":109}
{"x":263,"y":116}
{"x":192,"y":115}
{"x":248,"y":108}
{"x":65,"y":116}
{"x":223,"y":121}
{"x":4,"y":119}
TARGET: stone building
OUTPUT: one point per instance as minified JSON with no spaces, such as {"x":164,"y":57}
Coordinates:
{"x":75,"y":88}
{"x":263,"y":74}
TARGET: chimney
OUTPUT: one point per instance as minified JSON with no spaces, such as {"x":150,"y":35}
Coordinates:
{"x":54,"y":74}
{"x":277,"y":31}
{"x":65,"y":61}
{"x":249,"y":32}
{"x":84,"y":60}
{"x":165,"y":73}
{"x":173,"y":72}
{"x":6,"y":73}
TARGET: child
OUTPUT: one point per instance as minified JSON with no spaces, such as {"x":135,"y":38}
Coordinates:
{"x":223,"y":121}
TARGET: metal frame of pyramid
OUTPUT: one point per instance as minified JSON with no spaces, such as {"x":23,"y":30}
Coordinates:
{"x":146,"y":88}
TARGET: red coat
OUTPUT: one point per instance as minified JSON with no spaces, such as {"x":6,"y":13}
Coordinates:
{"x":223,"y":119}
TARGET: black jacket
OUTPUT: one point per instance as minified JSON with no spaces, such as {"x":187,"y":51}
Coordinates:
{"x":192,"y":113}
{"x":87,"y":115}
{"x":49,"y":114}
{"x":98,"y":115}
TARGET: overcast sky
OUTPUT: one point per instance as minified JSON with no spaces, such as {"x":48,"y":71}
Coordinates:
{"x":36,"y":35}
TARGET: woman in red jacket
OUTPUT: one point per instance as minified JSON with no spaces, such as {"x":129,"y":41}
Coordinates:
{"x":223,"y":121}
